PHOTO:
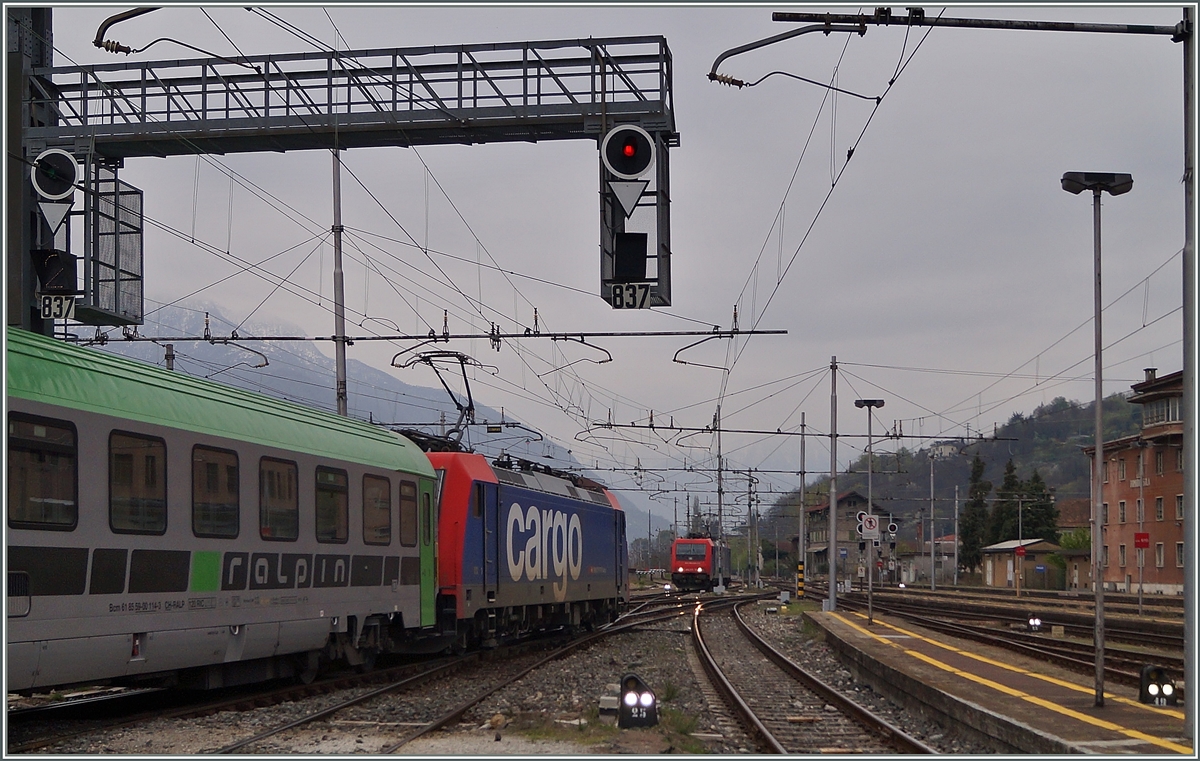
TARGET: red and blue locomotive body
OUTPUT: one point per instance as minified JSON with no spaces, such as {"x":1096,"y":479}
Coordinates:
{"x":522,"y":548}
{"x":699,"y":564}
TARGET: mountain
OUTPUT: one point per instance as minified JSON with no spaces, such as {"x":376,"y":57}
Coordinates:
{"x":298,"y":371}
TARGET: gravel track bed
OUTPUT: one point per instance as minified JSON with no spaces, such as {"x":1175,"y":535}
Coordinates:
{"x":553,"y":710}
{"x":800,"y":720}
{"x":787,"y":635}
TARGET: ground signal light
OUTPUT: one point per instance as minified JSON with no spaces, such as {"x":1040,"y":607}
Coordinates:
{"x":639,"y":706}
{"x":627,"y":151}
{"x":1157,"y":688}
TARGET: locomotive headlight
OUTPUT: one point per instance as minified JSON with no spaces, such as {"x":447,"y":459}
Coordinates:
{"x":631,"y":699}
{"x":646,"y":699}
{"x":679,"y":569}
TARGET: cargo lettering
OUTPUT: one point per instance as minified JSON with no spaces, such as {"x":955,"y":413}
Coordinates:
{"x":544,"y":544}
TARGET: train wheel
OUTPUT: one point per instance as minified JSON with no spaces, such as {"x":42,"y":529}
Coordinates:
{"x":306,"y":668}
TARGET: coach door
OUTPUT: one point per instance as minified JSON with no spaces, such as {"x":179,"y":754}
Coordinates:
{"x":486,"y":496}
{"x":428,"y":542}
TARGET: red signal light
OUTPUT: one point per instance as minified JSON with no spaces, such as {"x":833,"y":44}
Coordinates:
{"x":627,"y":151}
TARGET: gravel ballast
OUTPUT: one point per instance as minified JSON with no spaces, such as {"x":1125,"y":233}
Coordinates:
{"x":554,"y":710}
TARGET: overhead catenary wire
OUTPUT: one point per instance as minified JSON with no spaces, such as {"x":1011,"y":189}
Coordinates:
{"x":318,"y":297}
{"x":249,"y":267}
{"x":1080,"y":326}
{"x":553,"y":393}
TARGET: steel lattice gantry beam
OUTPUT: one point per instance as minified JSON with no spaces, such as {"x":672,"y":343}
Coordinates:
{"x":524,"y":91}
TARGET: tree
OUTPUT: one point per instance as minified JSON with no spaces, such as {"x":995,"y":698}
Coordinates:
{"x":1077,"y":539}
{"x":1040,"y":517}
{"x":1002,"y":524}
{"x":974,"y":517}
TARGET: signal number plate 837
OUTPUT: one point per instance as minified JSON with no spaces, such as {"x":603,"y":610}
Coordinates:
{"x":55,"y":307}
{"x":631,"y":296}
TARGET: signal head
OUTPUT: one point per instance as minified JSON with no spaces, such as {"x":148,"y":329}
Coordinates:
{"x":627,"y":151}
{"x":54,"y":174}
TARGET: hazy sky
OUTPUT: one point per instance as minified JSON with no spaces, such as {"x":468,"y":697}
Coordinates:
{"x":947,"y":270}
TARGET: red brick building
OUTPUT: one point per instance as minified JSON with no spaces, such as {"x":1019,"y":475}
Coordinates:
{"x":1143,"y":492}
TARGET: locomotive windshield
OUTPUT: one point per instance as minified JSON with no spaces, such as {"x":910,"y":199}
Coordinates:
{"x":690,"y":550}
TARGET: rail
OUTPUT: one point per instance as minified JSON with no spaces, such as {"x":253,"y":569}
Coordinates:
{"x":901,"y":740}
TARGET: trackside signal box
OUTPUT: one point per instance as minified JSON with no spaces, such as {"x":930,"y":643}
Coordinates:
{"x":639,"y":705}
{"x":635,"y":218}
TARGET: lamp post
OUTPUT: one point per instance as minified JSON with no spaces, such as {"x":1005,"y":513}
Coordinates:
{"x":1141,"y":553}
{"x":957,"y":538}
{"x":1020,"y":539}
{"x":932,"y":534}
{"x":1115,"y":184}
{"x":869,"y":404}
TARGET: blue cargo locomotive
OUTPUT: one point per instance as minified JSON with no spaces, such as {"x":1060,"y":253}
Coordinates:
{"x":524,"y":548}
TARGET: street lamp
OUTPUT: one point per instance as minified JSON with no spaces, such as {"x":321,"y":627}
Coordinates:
{"x":1141,"y":513}
{"x":869,"y":404}
{"x":1115,"y":184}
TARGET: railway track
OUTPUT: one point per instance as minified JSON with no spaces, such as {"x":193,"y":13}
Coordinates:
{"x":786,"y":708}
{"x":1116,"y":602}
{"x":1121,"y":665}
{"x":1077,"y":621}
{"x":367,"y":708}
{"x":32,"y":729}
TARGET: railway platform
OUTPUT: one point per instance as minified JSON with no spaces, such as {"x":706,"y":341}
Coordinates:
{"x":1026,"y":705}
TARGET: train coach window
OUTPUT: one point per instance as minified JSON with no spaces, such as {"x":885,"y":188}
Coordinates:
{"x":333,"y":505}
{"x":137,"y":484}
{"x":377,"y":510}
{"x":408,"y":514}
{"x":278,"y":500}
{"x":215,"y":492}
{"x":43,"y":480}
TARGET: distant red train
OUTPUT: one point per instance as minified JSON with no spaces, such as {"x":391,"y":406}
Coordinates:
{"x":699,"y":564}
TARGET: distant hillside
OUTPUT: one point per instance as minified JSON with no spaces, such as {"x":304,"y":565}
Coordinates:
{"x":300,"y":372}
{"x":1050,"y":441}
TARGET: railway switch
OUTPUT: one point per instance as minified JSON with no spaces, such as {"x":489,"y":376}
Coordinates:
{"x":639,"y":706}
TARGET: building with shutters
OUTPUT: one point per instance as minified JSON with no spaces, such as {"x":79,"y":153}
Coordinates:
{"x":1142,"y":484}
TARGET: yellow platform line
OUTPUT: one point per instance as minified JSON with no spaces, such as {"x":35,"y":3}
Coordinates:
{"x":1044,"y":677}
{"x":1012,"y":692}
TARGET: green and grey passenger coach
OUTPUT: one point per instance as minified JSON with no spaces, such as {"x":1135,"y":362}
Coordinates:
{"x":167,"y":529}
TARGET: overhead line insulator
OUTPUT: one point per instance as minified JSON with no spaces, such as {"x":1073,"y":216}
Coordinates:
{"x":725,"y":79}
